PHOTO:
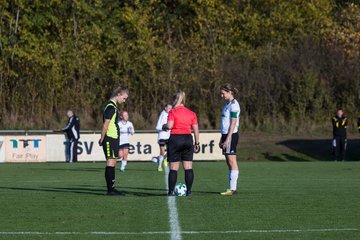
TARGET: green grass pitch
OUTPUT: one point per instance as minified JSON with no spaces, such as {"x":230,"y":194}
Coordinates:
{"x":67,"y":201}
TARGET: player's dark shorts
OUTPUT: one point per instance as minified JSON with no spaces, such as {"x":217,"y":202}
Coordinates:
{"x":124,"y":146}
{"x":231,"y":148}
{"x":163,"y":142}
{"x":110,"y":147}
{"x":180,"y":147}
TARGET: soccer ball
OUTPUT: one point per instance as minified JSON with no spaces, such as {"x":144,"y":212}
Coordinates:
{"x":154,"y":159}
{"x":180,"y":189}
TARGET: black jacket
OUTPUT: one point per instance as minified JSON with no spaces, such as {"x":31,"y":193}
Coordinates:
{"x":339,"y":126}
{"x":72,"y":128}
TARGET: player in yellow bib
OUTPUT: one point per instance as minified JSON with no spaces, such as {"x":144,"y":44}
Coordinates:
{"x":110,"y":135}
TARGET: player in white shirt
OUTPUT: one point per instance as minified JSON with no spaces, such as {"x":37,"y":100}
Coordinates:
{"x":229,"y":134}
{"x":163,"y":136}
{"x":126,"y":129}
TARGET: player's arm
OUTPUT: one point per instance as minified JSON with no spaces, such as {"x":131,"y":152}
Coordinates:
{"x":334,"y":121}
{"x":132,"y":129}
{"x":160,"y":123}
{"x":170,"y":122}
{"x":195,"y":128}
{"x":104,"y":130}
{"x":220,"y":143}
{"x":109,"y":112}
{"x":231,"y":131}
{"x":345,"y":123}
{"x":234,"y":114}
{"x":69,"y":125}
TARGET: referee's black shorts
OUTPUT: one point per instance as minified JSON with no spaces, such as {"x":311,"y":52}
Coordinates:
{"x":180,"y":148}
{"x":110,"y":147}
{"x":231,"y":148}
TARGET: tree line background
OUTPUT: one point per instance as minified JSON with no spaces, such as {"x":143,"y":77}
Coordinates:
{"x":294,"y":62}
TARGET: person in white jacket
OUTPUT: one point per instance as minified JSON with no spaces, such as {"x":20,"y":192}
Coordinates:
{"x":163,"y":136}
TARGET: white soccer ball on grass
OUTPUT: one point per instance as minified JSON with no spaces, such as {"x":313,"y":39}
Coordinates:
{"x":180,"y":189}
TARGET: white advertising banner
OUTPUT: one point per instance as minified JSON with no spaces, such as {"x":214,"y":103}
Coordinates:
{"x":2,"y":149}
{"x":25,"y":148}
{"x":143,"y":146}
{"x":55,"y":148}
{"x":88,"y":148}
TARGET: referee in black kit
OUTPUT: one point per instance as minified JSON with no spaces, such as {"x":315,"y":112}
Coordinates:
{"x":72,"y":130}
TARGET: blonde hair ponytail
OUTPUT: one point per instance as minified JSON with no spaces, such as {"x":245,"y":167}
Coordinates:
{"x":119,"y":90}
{"x":179,"y":98}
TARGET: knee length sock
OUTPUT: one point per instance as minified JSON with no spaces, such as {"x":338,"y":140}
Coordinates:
{"x":172,"y":180}
{"x":160,"y":161}
{"x":189,"y":178}
{"x":233,"y":177}
{"x":110,"y":178}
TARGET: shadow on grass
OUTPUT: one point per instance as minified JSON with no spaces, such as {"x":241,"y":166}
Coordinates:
{"x":102,"y":192}
{"x":207,"y":192}
{"x":143,"y":188}
{"x":96,"y":170}
{"x":283,"y":157}
{"x":165,"y":190}
{"x":140,"y":170}
{"x":85,"y":191}
{"x":317,"y":149}
{"x":76,"y":169}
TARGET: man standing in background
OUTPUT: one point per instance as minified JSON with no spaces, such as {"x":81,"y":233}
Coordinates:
{"x":339,"y":122}
{"x":72,"y":130}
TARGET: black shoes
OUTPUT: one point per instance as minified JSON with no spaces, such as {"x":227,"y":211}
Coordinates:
{"x":115,"y":193}
{"x":171,"y":194}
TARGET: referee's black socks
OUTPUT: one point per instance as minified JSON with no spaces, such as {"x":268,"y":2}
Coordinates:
{"x":172,"y":180}
{"x":189,"y":178}
{"x":110,"y":178}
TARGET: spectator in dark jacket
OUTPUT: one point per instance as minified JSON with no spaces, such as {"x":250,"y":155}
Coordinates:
{"x":339,"y":122}
{"x":72,"y":130}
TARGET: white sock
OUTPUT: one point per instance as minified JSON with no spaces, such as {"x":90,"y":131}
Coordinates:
{"x":123,"y":164}
{"x":160,"y":161}
{"x":233,"y":177}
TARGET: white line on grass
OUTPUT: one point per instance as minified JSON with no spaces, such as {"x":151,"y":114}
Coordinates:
{"x":173,"y":213}
{"x":188,"y":232}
